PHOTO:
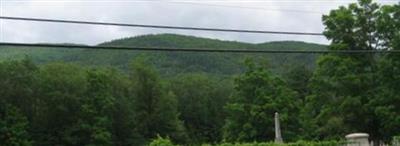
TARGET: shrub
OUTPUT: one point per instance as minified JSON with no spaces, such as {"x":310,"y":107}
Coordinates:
{"x":396,"y":141}
{"x":299,"y":143}
{"x":161,"y":142}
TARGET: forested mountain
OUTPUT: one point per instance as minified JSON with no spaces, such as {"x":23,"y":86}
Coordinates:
{"x":132,"y":105}
{"x":153,"y":98}
{"x":173,"y":62}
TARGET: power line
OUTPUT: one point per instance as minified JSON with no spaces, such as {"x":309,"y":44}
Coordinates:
{"x":197,"y":49}
{"x":251,"y":8}
{"x":159,"y":26}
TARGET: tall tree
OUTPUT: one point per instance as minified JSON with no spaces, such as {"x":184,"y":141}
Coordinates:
{"x":387,"y":102}
{"x":95,"y":119}
{"x":18,"y":85}
{"x":155,"y":108}
{"x":344,"y":86}
{"x":17,"y":101}
{"x":298,"y":79}
{"x":250,"y":113}
{"x":201,"y":99}
{"x":60,"y":92}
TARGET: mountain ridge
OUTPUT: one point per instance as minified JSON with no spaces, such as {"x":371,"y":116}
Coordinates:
{"x":165,"y":36}
{"x":170,"y":63}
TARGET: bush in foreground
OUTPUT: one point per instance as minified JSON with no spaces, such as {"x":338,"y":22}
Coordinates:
{"x":396,"y":141}
{"x":161,"y":142}
{"x":166,"y":142}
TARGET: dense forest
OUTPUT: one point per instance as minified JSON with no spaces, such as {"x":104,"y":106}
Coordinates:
{"x":52,"y":96}
{"x":171,"y":63}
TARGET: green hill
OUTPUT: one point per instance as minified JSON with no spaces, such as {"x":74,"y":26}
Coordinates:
{"x":170,"y":63}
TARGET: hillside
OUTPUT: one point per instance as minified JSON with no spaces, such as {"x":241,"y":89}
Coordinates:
{"x":170,"y":63}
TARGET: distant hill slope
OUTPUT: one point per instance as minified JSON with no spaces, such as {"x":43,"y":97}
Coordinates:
{"x":170,"y":63}
{"x":174,"y":40}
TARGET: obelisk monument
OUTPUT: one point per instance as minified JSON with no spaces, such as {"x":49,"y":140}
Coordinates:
{"x":278,"y":136}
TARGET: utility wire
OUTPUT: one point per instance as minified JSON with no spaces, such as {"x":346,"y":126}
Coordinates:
{"x":197,"y":49}
{"x":159,"y":26}
{"x":251,"y":8}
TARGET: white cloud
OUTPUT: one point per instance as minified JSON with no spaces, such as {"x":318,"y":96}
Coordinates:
{"x":233,"y":14}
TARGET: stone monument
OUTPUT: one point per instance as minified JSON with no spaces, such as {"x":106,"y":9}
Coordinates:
{"x":278,"y":136}
{"x":357,"y":139}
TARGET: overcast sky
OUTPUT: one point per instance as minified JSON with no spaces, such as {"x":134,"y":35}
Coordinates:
{"x":271,"y":15}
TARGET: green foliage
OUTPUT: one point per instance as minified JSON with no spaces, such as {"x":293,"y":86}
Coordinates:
{"x":97,"y":108}
{"x":17,"y":80}
{"x":166,"y":142}
{"x":171,"y":63}
{"x":161,"y":142}
{"x":200,"y":102}
{"x":342,"y":82}
{"x":195,"y":100}
{"x":13,"y":127}
{"x":353,"y":93}
{"x":298,"y":78}
{"x":396,"y":140}
{"x":299,"y":143}
{"x":59,"y":95}
{"x":388,"y":107}
{"x":17,"y":84}
{"x":251,"y":109}
{"x":155,"y":108}
{"x":63,"y":103}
